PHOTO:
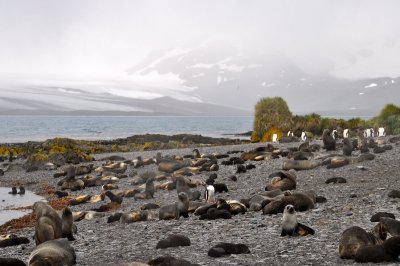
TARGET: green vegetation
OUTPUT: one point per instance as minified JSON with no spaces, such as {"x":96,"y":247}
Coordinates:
{"x":389,"y":118}
{"x":272,"y":115}
{"x":269,"y":113}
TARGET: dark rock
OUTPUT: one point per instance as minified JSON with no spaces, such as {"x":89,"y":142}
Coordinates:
{"x":11,"y":262}
{"x":170,"y":261}
{"x":114,"y":218}
{"x":233,"y":178}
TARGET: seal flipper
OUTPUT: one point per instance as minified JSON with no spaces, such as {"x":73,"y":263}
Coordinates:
{"x":303,"y":230}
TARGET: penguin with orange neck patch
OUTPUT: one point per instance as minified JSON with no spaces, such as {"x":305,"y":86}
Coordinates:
{"x":290,"y":226}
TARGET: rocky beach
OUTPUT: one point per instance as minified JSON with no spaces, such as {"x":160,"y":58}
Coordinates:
{"x":347,"y":204}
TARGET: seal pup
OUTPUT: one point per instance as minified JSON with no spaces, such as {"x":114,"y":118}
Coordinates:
{"x":328,"y":140}
{"x":214,"y":213}
{"x":13,"y":191}
{"x":355,"y":237}
{"x":226,"y":249}
{"x":175,"y":211}
{"x":347,"y":147}
{"x":386,"y":252}
{"x":53,"y":252}
{"x":21,"y":190}
{"x":113,"y":197}
{"x":48,"y":223}
{"x":290,"y":226}
{"x":300,"y":201}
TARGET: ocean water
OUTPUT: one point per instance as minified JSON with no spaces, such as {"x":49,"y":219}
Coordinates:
{"x":15,"y":129}
{"x":8,"y":202}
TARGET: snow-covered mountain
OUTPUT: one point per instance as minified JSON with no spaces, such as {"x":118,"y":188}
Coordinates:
{"x":210,"y":79}
{"x":219,"y":74}
{"x":71,"y":101}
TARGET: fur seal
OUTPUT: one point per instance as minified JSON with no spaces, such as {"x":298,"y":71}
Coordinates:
{"x":13,"y":191}
{"x":68,"y":226}
{"x":150,"y":206}
{"x":214,"y":213}
{"x":355,"y":237}
{"x":138,"y":216}
{"x":148,"y":192}
{"x":113,"y":197}
{"x":300,"y":165}
{"x":233,"y":206}
{"x":290,"y":226}
{"x":386,"y":252}
{"x":328,"y":140}
{"x":180,"y":208}
{"x":390,"y":225}
{"x":11,"y":262}
{"x":377,"y":216}
{"x":53,"y":252}
{"x":182,"y":186}
{"x":171,"y":261}
{"x":336,"y":180}
{"x":226,"y":249}
{"x":347,"y":147}
{"x":13,"y":240}
{"x":282,"y":180}
{"x":48,"y":223}
{"x":300,"y":201}
{"x":173,"y":241}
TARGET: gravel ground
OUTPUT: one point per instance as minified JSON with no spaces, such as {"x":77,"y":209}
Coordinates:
{"x":99,"y":243}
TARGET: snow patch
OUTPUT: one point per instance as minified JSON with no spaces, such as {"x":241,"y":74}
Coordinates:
{"x":361,"y":93}
{"x":371,"y":85}
{"x":68,"y":91}
{"x":393,"y":81}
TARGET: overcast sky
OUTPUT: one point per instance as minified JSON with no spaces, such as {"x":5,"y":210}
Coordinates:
{"x":97,"y":38}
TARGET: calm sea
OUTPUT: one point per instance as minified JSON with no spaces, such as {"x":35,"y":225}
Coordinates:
{"x":37,"y":128}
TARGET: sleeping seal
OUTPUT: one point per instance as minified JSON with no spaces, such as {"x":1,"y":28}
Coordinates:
{"x":55,"y":252}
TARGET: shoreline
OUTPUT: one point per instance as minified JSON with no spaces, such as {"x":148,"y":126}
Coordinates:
{"x":117,"y":243}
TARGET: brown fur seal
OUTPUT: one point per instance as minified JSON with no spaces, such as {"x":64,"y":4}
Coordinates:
{"x":390,"y":225}
{"x":290,"y":226}
{"x":226,"y":249}
{"x":347,"y":147}
{"x":282,"y":180}
{"x":355,"y":237}
{"x":148,"y":192}
{"x":56,"y":252}
{"x":328,"y":140}
{"x":68,"y":226}
{"x":12,"y":240}
{"x":300,"y":201}
{"x":180,"y":208}
{"x":11,"y":262}
{"x":386,"y":252}
{"x":182,"y":186}
{"x":173,"y":241}
{"x":137,"y":216}
{"x":300,"y":165}
{"x":48,"y":223}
